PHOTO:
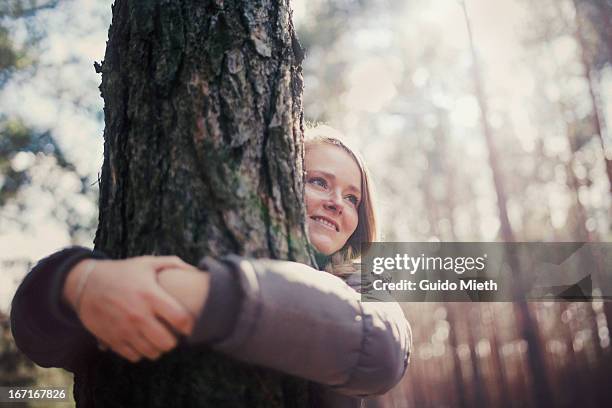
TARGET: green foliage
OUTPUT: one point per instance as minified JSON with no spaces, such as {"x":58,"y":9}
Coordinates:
{"x":9,"y":57}
{"x":24,"y":8}
{"x":16,"y":138}
{"x":12,"y":57}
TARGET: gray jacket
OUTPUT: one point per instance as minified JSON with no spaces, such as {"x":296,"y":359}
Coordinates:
{"x":281,"y":315}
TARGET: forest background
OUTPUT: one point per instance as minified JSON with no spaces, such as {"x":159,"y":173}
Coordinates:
{"x":495,"y":136}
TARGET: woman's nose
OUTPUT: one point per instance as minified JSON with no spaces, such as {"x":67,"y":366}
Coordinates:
{"x":334,"y":204}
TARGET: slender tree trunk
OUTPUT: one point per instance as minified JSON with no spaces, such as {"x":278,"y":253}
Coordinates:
{"x":202,"y":156}
{"x":577,"y":377}
{"x":599,"y":123}
{"x":506,"y":232}
{"x":525,"y":321}
{"x":460,"y":400}
{"x":504,"y":396}
{"x":474,"y":335}
{"x":431,"y":204}
{"x":460,"y":387}
{"x":598,"y":119}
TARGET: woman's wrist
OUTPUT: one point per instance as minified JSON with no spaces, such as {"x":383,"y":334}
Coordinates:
{"x":188,"y":287}
{"x":74,"y":284}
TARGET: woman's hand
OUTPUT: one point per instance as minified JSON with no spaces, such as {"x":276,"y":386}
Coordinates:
{"x":123,"y":305}
{"x":189,"y":286}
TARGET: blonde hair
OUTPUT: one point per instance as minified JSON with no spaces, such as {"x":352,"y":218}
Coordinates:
{"x":343,"y":262}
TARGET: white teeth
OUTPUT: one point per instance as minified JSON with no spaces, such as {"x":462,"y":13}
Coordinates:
{"x":325,"y":222}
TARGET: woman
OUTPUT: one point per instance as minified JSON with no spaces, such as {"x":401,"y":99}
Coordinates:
{"x":281,"y":315}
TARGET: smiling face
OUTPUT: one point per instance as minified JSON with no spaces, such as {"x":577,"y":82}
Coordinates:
{"x":333,"y":195}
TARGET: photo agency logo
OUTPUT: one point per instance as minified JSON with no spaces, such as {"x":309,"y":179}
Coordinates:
{"x":485,"y":271}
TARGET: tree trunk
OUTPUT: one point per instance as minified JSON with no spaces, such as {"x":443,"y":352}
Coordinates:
{"x":597,"y":118}
{"x":526,"y":322}
{"x":460,"y":386}
{"x":202,"y":156}
{"x":479,"y":398}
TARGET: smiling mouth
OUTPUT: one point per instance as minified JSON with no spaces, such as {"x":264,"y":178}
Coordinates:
{"x":328,"y":223}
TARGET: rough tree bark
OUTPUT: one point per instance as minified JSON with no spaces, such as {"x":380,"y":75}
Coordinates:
{"x":202,"y":156}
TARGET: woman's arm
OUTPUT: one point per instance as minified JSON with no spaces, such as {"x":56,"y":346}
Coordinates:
{"x":298,"y":320}
{"x":44,"y":327}
{"x":281,"y":315}
{"x":120,"y":304}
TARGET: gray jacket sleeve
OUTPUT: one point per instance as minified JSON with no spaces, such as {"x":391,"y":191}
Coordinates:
{"x":311,"y":324}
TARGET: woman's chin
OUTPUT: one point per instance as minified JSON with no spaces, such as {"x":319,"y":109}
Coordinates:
{"x":323,"y":244}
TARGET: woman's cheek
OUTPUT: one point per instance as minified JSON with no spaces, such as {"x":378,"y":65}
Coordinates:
{"x":308,"y":200}
{"x":352,"y":221}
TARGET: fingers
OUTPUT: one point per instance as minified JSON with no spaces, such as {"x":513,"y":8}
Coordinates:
{"x":144,"y":347}
{"x":171,"y":311}
{"x":144,"y":330}
{"x":159,"y":336}
{"x":130,"y":316}
{"x":126,"y":351}
{"x":139,"y":345}
{"x":150,"y":341}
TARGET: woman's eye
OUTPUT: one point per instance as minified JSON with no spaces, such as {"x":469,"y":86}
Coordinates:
{"x":354,"y":200}
{"x":318,"y":181}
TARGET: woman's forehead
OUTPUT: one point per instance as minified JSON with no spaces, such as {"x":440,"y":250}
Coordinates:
{"x":334,"y":162}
